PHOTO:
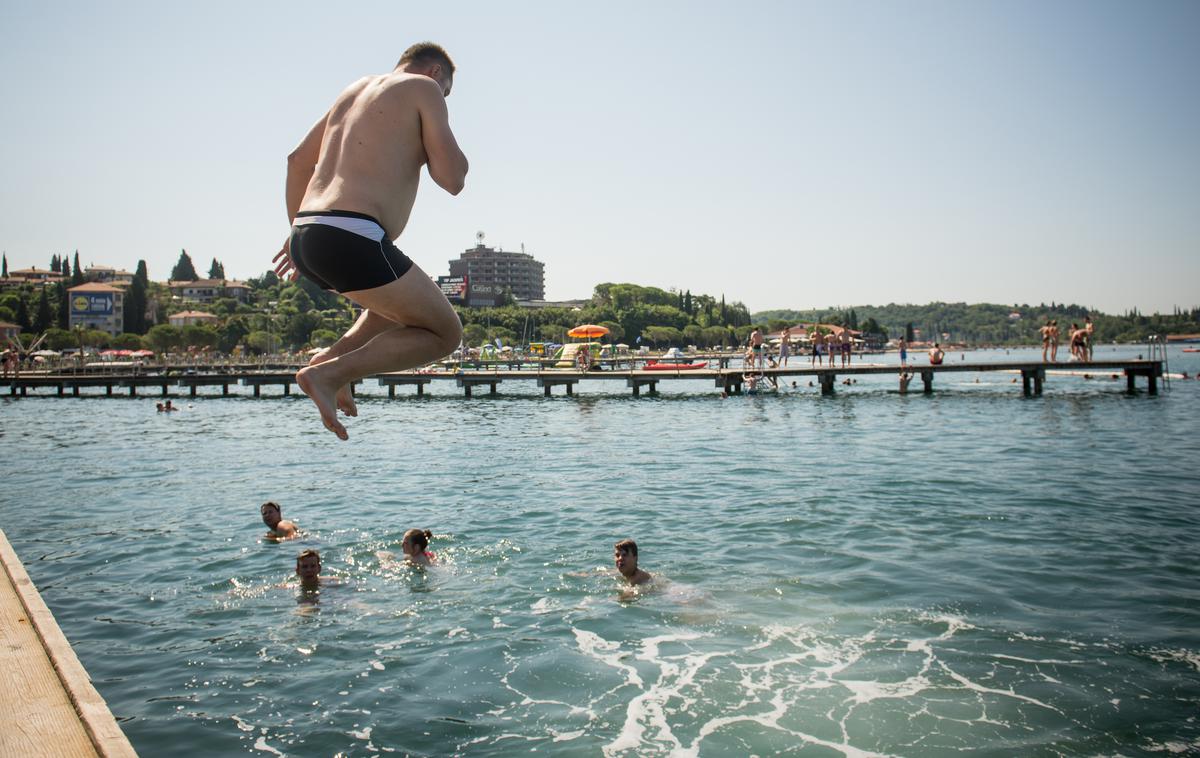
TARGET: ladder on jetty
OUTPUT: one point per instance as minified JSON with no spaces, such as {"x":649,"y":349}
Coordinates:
{"x":1156,"y":350}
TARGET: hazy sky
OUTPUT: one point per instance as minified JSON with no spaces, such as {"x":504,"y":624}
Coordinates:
{"x":785,"y":154}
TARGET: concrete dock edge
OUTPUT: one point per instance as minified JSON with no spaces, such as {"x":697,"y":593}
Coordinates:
{"x":97,"y":721}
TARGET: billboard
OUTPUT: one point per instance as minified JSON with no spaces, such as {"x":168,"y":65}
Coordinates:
{"x":92,"y":304}
{"x":455,"y":288}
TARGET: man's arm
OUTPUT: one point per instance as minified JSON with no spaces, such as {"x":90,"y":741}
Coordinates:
{"x":447,"y":164}
{"x":301,"y":163}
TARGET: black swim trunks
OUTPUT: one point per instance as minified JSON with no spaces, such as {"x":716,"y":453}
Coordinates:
{"x":345,"y":251}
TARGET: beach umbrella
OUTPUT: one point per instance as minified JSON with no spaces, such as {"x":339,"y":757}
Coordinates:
{"x":142,"y":354}
{"x":45,"y":354}
{"x":588,"y":331}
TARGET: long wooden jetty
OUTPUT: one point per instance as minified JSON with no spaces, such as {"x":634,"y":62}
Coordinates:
{"x":730,"y":380}
{"x":49,"y":707}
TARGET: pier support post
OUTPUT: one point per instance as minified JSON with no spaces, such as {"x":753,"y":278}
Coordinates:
{"x":193,"y":391}
{"x":927,"y":379}
{"x":108,"y":390}
{"x":258,"y":390}
{"x":1153,"y":383}
{"x":1025,"y":377}
{"x":1130,"y":387}
{"x":420,"y":389}
{"x":492,"y":389}
{"x":546,"y":390}
{"x":62,"y":390}
{"x":827,"y":382}
{"x":392,"y":391}
{"x":224,"y":390}
{"x":133,"y":390}
{"x":287,"y":389}
{"x":1038,"y":375}
{"x":75,"y":390}
{"x":466,"y":389}
{"x":570,"y":389}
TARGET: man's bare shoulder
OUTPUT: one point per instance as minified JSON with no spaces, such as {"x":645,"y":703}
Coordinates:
{"x":403,"y":84}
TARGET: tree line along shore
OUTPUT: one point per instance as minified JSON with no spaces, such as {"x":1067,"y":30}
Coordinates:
{"x":278,"y":315}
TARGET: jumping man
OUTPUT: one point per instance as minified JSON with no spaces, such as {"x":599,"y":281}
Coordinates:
{"x":351,"y":184}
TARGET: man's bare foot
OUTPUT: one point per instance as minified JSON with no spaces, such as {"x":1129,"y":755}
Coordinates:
{"x":345,"y":400}
{"x":323,"y":395}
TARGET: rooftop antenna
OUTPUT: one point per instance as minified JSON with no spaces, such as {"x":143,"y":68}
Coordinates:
{"x":479,"y":238}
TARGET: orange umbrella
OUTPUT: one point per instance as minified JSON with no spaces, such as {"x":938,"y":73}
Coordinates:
{"x":588,"y":331}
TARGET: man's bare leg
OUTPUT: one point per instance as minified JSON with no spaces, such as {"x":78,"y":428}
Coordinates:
{"x":426,"y":327}
{"x":366,"y":328}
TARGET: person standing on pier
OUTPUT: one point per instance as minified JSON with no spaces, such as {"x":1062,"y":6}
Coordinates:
{"x":903,"y":353}
{"x":1089,"y":332}
{"x":845,"y":340}
{"x":785,"y":347}
{"x":818,"y":344}
{"x":351,"y":184}
{"x":1045,"y":331}
{"x":756,"y":345}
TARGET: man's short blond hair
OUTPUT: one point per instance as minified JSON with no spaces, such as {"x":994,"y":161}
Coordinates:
{"x":427,"y":53}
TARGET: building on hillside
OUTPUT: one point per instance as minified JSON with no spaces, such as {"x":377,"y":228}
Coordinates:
{"x":487,"y":274}
{"x":97,"y":306}
{"x":184,"y":318}
{"x":35,"y":275}
{"x":107,"y":275}
{"x":8,"y":332}
{"x":208,"y":290}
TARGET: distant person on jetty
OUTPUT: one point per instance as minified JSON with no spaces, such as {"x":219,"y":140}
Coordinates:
{"x":1045,"y":332}
{"x":1054,"y":341}
{"x":1078,"y":343}
{"x":281,"y":528}
{"x":1089,"y":332}
{"x":414,"y":545}
{"x":936,"y":354}
{"x":756,"y":345}
{"x":785,"y":338}
{"x":308,"y":568}
{"x":903,"y":353}
{"x":351,"y":184}
{"x":625,"y":556}
{"x":818,"y":345}
{"x":845,"y":340}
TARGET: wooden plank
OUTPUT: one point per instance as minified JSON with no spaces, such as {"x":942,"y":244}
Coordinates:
{"x":50,"y":707}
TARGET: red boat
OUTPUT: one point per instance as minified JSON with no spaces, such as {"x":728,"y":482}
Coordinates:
{"x":656,"y":366}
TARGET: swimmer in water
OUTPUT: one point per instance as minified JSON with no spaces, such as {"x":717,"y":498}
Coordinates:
{"x":281,"y":528}
{"x":308,"y":568}
{"x":625,"y":556}
{"x":414,"y":546}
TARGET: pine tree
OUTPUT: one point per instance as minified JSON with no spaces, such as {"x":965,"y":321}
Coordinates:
{"x":216,"y":270}
{"x":77,"y":274}
{"x":142,"y":274}
{"x":63,"y":319}
{"x":43,"y":318}
{"x":184,"y":270}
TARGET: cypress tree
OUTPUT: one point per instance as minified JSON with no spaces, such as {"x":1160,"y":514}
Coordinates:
{"x":64,"y":266}
{"x":142,"y":274}
{"x":216,"y":270}
{"x":135,"y":308}
{"x":185,"y":270}
{"x":64,"y":314}
{"x":43,"y":318}
{"x":5,"y":274}
{"x":77,"y":274}
{"x":23,"y":315}
{"x":54,"y":263}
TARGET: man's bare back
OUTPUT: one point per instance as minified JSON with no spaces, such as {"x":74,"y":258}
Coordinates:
{"x":372,"y":150}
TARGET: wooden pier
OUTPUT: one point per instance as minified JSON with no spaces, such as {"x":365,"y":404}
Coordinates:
{"x":637,"y":380}
{"x":49,"y":707}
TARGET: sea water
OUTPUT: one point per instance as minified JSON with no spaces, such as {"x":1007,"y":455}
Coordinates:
{"x":861,"y":574}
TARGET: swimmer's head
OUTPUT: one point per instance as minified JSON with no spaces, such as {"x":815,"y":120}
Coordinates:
{"x":271,"y":514}
{"x":625,"y":556}
{"x":415,"y":541}
{"x":308,"y":566}
{"x":430,"y":60}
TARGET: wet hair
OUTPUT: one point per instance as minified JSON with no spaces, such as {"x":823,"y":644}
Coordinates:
{"x":626,"y":546}
{"x":426,"y":54}
{"x":420,"y":537}
{"x":270,"y":504}
{"x":305,"y":554}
